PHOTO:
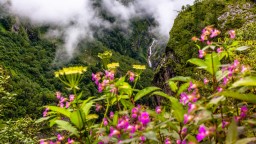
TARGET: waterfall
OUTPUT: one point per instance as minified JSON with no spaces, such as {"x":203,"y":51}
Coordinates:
{"x":150,"y":53}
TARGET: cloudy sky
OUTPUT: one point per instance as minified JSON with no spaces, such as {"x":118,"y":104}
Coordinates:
{"x":76,"y":17}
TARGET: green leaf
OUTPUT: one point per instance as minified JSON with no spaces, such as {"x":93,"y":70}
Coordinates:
{"x":182,"y":88}
{"x":246,"y":140}
{"x":242,"y":48}
{"x":151,"y":135}
{"x":215,"y":101}
{"x":126,"y":104}
{"x":220,"y":75}
{"x":86,"y":107}
{"x":173,"y":86}
{"x":177,"y":107}
{"x":251,"y":98}
{"x":77,"y":119}
{"x":43,"y":119}
{"x":60,"y":110}
{"x":125,"y":88}
{"x":63,"y":125}
{"x":115,"y":118}
{"x":247,"y":81}
{"x":91,"y":116}
{"x":232,"y":133}
{"x":145,"y":92}
{"x":198,"y":62}
{"x":212,"y":63}
{"x":180,"y":78}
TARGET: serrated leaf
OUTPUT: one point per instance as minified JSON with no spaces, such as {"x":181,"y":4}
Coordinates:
{"x":76,"y":118}
{"x":182,"y":88}
{"x":242,"y":48}
{"x":43,"y":119}
{"x":180,"y":78}
{"x":86,"y":107}
{"x":173,"y":85}
{"x":251,"y":98}
{"x":60,"y":110}
{"x":247,"y":81}
{"x":63,"y":125}
{"x":145,"y":92}
{"x":232,"y":133}
{"x":198,"y":62}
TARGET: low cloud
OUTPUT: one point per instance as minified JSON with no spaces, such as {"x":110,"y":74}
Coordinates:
{"x":78,"y":19}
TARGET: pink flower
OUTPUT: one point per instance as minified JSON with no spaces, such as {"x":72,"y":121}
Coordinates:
{"x":111,"y":114}
{"x":109,"y":74}
{"x":206,"y":81}
{"x":61,"y":105}
{"x":45,"y":112}
{"x":100,"y":87}
{"x":243,"y":111}
{"x":191,"y":86}
{"x":191,"y":107}
{"x":201,"y":54}
{"x":219,"y":50}
{"x":236,"y":63}
{"x":131,"y":128}
{"x":143,"y":138}
{"x":244,"y":69}
{"x":59,"y":137}
{"x":184,"y":98}
{"x":71,"y":97}
{"x":158,"y":110}
{"x":98,"y":107}
{"x":67,"y":104}
{"x":167,"y":141}
{"x":114,"y":132}
{"x":215,"y":33}
{"x":70,"y":141}
{"x":105,"y":121}
{"x":144,"y":118}
{"x":131,"y":76}
{"x":208,"y":42}
{"x":225,"y":81}
{"x":187,"y":118}
{"x":134,"y":112}
{"x":43,"y":142}
{"x":202,"y":133}
{"x":224,"y":124}
{"x":232,"y":34}
{"x":219,"y":89}
{"x":58,"y":95}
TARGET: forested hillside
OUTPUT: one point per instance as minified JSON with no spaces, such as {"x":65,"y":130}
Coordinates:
{"x":224,"y":15}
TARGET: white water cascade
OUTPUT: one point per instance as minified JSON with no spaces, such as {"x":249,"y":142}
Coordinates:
{"x":150,"y":52}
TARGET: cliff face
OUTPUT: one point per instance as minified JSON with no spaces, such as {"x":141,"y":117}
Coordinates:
{"x":224,"y":15}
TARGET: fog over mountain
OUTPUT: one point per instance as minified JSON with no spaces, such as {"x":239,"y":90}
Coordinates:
{"x":77,"y":19}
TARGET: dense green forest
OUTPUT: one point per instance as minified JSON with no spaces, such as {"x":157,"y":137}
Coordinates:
{"x":28,"y":81}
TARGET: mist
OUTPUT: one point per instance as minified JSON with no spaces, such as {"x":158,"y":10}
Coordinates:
{"x":76,"y":19}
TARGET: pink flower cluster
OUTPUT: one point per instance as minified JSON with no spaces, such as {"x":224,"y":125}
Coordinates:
{"x":129,"y":124}
{"x":104,"y":81}
{"x":209,"y":32}
{"x":59,"y":140}
{"x":64,"y":101}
